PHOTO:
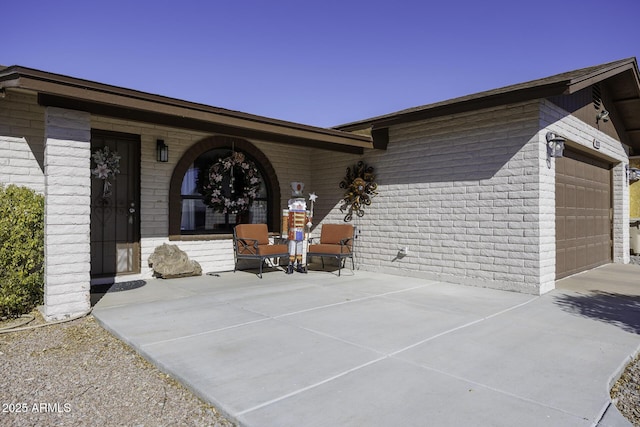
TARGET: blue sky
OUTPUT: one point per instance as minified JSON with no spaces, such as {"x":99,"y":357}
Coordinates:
{"x":322,"y":63}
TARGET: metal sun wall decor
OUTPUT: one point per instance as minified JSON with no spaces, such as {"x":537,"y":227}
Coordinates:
{"x":360,"y":189}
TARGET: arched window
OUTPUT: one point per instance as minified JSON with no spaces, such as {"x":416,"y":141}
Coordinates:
{"x":197,"y":217}
{"x":189,"y":215}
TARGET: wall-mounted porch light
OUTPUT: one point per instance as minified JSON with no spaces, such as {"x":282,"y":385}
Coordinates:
{"x":555,"y":145}
{"x":162,"y":151}
{"x":602,"y":115}
{"x":633,"y":174}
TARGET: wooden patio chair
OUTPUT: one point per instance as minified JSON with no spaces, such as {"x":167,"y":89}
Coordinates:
{"x":336,"y":241}
{"x":251,"y":241}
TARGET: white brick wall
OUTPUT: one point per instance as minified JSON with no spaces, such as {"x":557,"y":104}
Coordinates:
{"x":67,"y":213}
{"x":21,"y":141}
{"x":460,"y":192}
{"x":471,"y":196}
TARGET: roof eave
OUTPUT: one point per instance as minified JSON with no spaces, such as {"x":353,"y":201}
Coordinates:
{"x":59,"y":90}
{"x":458,"y":105}
{"x":582,"y":82}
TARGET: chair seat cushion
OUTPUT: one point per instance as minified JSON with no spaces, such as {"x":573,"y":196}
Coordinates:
{"x":329,"y":249}
{"x":263,"y":250}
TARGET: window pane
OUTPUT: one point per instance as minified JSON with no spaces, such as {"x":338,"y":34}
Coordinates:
{"x":197,"y":217}
{"x":262,"y":192}
{"x":190,"y":182}
{"x":188,"y":221}
{"x":214,"y":221}
{"x":258,"y":212}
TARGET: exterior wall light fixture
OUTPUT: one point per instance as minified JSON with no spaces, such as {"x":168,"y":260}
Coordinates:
{"x":602,"y":115}
{"x":555,"y":145}
{"x":162,"y":151}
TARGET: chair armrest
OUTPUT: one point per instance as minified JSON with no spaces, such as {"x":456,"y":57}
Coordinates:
{"x":344,"y":242}
{"x":246,"y":242}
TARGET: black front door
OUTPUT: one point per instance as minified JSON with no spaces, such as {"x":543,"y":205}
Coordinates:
{"x":115,"y":204}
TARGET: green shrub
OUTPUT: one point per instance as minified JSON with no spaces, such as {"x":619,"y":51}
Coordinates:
{"x":21,"y":250}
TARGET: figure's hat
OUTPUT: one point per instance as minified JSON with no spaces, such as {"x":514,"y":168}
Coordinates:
{"x":297,"y":188}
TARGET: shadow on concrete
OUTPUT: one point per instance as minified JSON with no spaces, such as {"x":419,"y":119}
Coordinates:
{"x":331,"y":266}
{"x":98,"y":291}
{"x":616,"y":309}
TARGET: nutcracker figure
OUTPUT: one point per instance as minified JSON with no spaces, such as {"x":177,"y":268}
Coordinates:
{"x":298,"y":222}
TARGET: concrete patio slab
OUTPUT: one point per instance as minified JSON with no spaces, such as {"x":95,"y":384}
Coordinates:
{"x":518,"y":355}
{"x":382,"y":325}
{"x":379,"y":350}
{"x":393,"y":393}
{"x":480,"y":302}
{"x":250,"y":364}
{"x":181,"y":318}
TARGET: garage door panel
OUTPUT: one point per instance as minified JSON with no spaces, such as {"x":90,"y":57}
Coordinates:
{"x":560,"y":194}
{"x":605,"y":225}
{"x":581,"y":197}
{"x":592,"y":198}
{"x":560,"y":229}
{"x":594,"y":252}
{"x":570,"y":260}
{"x":570,"y":196}
{"x":570,"y":169}
{"x":583,"y":203}
{"x":570,"y":232}
{"x":582,"y":223}
{"x":580,"y":254}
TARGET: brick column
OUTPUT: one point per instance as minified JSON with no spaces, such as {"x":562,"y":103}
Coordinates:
{"x":547,"y":216}
{"x":620,"y":214}
{"x":67,"y":162}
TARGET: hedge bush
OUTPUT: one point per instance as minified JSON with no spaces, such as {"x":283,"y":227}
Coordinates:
{"x":21,"y":250}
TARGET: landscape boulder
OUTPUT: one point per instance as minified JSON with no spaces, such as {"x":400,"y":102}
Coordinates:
{"x":169,"y":262}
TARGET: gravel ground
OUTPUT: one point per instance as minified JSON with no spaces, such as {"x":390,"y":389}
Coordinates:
{"x":76,"y":373}
{"x":626,"y":392}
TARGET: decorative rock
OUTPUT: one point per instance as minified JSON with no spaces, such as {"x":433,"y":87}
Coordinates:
{"x":169,"y":262}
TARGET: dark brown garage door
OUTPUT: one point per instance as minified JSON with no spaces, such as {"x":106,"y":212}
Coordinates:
{"x":583,"y":213}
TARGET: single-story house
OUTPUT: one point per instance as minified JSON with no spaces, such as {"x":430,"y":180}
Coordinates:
{"x":469,"y":190}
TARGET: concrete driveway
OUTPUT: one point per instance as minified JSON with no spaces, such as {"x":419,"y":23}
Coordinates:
{"x":370,"y":349}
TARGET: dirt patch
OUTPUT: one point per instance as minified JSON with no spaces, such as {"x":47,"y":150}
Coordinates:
{"x":76,"y":373}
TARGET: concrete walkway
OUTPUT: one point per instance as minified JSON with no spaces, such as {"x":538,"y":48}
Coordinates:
{"x":377,"y":350}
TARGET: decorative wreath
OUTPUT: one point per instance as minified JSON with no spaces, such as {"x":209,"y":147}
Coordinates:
{"x":361,"y":188}
{"x":107,"y":166}
{"x":231,"y":184}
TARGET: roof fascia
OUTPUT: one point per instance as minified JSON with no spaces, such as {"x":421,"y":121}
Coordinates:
{"x":460,"y":105}
{"x":183,"y":122}
{"x":93,"y":95}
{"x":583,"y":82}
